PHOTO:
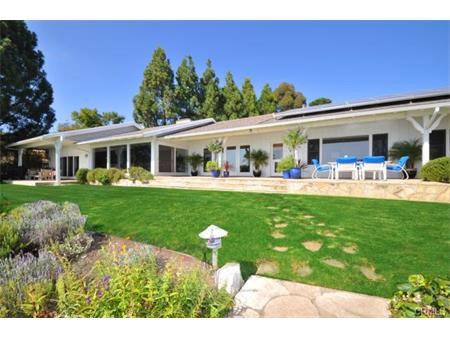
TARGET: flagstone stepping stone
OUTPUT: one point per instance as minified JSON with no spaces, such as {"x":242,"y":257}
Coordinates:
{"x":334,"y":263}
{"x":326,"y":233}
{"x":281,"y":225}
{"x":302,"y":269}
{"x":320,"y":224}
{"x":271,"y":208}
{"x":280,"y":248}
{"x":369,"y":272}
{"x":277,"y":219}
{"x":308,"y":216}
{"x":331,"y":246}
{"x":267,"y":268}
{"x":350,"y":249}
{"x":290,"y":306}
{"x":278,"y":234}
{"x":286,"y":210}
{"x":312,"y":245}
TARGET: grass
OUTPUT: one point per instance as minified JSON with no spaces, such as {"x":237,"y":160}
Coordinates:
{"x":396,"y":238}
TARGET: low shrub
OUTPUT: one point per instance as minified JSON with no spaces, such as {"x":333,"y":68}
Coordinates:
{"x":9,"y":238}
{"x":423,"y":298}
{"x":105,"y":176}
{"x":43,"y":222}
{"x":116,"y":174}
{"x":90,"y":177}
{"x":437,"y":170}
{"x":131,"y":285}
{"x":27,"y":284}
{"x":81,"y":175}
{"x":286,"y":163}
{"x":139,"y":174}
{"x":73,"y":246}
{"x":212,"y":165}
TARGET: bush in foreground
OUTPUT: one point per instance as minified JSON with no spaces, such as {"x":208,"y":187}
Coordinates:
{"x":437,"y":170}
{"x":140,"y":174}
{"x":81,"y":175}
{"x":131,"y":285}
{"x":422,"y":298}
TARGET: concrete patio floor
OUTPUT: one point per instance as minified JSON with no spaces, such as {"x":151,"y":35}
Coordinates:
{"x":263,"y":297}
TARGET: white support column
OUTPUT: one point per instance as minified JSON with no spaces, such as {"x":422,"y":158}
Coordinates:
{"x":154,"y":157}
{"x":320,"y":150}
{"x":128,"y":156}
{"x":58,"y":148}
{"x":108,"y":157}
{"x":20,"y":157}
{"x":370,"y":144}
{"x":425,"y":147}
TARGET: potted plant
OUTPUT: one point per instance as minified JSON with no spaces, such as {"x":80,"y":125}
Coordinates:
{"x":215,"y":147}
{"x":413,"y":149}
{"x":259,"y":158}
{"x":194,"y":161}
{"x":213,"y":168}
{"x":226,"y":169}
{"x":285,"y":166}
{"x":293,"y":140}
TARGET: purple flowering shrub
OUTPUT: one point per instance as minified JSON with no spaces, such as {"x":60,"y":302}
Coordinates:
{"x":43,"y":222}
{"x":27,"y":283}
{"x":73,"y":246}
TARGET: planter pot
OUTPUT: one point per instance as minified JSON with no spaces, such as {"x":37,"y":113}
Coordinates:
{"x":257,"y":173}
{"x":226,"y":174}
{"x":215,"y":173}
{"x":194,"y":173}
{"x":295,"y":173}
{"x":286,"y":174}
{"x":412,"y":172}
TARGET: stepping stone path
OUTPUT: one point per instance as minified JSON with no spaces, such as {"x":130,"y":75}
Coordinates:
{"x":265,"y":297}
{"x":312,"y":245}
{"x":326,"y":233}
{"x":267,"y":268}
{"x":320,"y":224}
{"x":281,"y":225}
{"x":278,"y":234}
{"x":369,"y":272}
{"x":280,"y":248}
{"x":277,"y":219}
{"x":286,"y":210}
{"x":302,"y":269}
{"x":334,"y":263}
{"x":271,"y":208}
{"x":308,"y":216}
{"x":350,"y":249}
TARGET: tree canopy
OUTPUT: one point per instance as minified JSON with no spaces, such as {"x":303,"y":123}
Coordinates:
{"x":187,"y":90}
{"x":155,"y":104}
{"x":249,"y":99}
{"x":319,"y":101}
{"x":266,"y":102}
{"x":233,"y":107}
{"x":25,"y":94}
{"x":288,"y":98}
{"x":211,"y":96}
{"x":89,"y":118}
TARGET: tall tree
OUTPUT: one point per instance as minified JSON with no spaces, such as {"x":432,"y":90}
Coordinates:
{"x":319,"y":101}
{"x":249,"y":99}
{"x":187,"y":91}
{"x":154,"y":104}
{"x":211,"y":95}
{"x":25,"y":94}
{"x":233,"y":107}
{"x":287,"y":98}
{"x":112,"y":117}
{"x":266,"y":101}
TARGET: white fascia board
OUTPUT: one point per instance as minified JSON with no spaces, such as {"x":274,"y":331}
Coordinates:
{"x":94,"y":129}
{"x":306,"y":120}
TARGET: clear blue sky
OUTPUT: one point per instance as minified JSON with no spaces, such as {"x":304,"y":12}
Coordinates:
{"x":100,"y":64}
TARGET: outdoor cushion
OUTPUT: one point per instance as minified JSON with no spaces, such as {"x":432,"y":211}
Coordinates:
{"x":394,"y":167}
{"x":346,"y":160}
{"x":373,"y":159}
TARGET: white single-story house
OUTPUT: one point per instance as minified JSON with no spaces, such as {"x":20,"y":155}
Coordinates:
{"x":359,"y":128}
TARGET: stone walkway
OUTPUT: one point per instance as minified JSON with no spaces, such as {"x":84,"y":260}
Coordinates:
{"x":263,"y":297}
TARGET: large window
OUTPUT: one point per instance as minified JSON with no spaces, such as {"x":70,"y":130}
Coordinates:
{"x":313,"y":150}
{"x":140,"y":155}
{"x":244,"y":162}
{"x":437,"y":144}
{"x":333,"y":148}
{"x":231,"y":157}
{"x":118,"y":157}
{"x":100,"y":158}
{"x":181,"y":160}
{"x":207,"y":156}
{"x":69,"y":165}
{"x":166,"y":159}
{"x":380,"y":145}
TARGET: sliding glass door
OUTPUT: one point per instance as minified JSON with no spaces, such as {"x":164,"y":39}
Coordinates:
{"x":69,"y":165}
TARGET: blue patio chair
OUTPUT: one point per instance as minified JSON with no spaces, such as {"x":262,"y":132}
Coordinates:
{"x":318,"y":168}
{"x":374,"y":164}
{"x":400,"y":166}
{"x":347,"y":164}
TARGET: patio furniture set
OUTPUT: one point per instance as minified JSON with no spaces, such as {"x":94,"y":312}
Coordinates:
{"x":40,"y":174}
{"x":359,"y":169}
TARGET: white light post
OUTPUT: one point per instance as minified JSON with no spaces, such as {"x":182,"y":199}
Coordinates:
{"x":213,"y":234}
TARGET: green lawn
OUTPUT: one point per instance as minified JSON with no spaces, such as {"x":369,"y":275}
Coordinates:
{"x":396,"y":238}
